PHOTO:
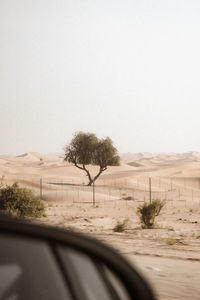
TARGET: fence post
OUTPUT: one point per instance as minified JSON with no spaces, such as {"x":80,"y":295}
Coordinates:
{"x":150,"y":189}
{"x":93,"y":193}
{"x":41,"y":188}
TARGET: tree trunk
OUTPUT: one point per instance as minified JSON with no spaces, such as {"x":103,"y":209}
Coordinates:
{"x":90,"y":182}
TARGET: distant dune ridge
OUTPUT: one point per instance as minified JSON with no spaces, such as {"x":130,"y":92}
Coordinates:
{"x":171,"y":155}
{"x":178,"y":172}
{"x":169,"y":171}
{"x":135,"y":168}
{"x":162,"y":164}
{"x":39,"y":156}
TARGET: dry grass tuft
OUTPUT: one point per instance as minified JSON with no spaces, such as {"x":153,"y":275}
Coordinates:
{"x":170,"y":241}
{"x":121,"y":226}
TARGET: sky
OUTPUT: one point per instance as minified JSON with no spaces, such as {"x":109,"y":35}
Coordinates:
{"x":126,"y":69}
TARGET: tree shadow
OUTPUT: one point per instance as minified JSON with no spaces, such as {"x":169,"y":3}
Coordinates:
{"x":67,"y":183}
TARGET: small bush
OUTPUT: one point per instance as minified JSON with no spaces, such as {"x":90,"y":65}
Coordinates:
{"x":20,"y":202}
{"x":148,"y":211}
{"x":120,"y":226}
{"x":170,"y":241}
{"x":128,"y":198}
{"x":2,"y":181}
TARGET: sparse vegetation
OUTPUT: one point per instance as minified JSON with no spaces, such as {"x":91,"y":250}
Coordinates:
{"x":20,"y":202}
{"x":2,"y":181}
{"x":170,"y":241}
{"x":128,"y":198}
{"x":120,"y":226}
{"x":149,"y":211}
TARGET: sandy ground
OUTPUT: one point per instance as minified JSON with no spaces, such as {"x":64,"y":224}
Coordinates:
{"x":173,"y":270}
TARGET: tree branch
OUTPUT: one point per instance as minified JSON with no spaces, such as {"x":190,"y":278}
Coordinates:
{"x":84,"y":169}
{"x":101,"y":170}
{"x":76,"y":165}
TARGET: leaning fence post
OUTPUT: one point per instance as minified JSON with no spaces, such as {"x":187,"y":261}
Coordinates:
{"x":41,"y":188}
{"x":150,"y":189}
{"x":93,"y":193}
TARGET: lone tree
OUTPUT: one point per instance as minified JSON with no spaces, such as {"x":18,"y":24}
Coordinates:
{"x":86,"y":149}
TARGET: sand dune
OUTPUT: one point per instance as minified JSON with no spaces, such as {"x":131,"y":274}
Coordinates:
{"x":130,"y":173}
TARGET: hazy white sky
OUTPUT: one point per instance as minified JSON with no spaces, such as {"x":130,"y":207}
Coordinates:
{"x":128,"y":69}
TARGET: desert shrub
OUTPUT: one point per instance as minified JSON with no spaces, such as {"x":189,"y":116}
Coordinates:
{"x":170,"y":241}
{"x":148,"y":211}
{"x":120,"y":226}
{"x":2,"y":181}
{"x":20,"y":202}
{"x":128,"y":198}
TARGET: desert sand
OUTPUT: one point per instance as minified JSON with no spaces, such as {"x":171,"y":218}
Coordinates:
{"x":169,"y":254}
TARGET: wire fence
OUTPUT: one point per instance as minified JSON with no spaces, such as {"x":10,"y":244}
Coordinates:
{"x":177,"y":192}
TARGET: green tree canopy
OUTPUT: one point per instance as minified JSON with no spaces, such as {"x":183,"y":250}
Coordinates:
{"x":86,"y":149}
